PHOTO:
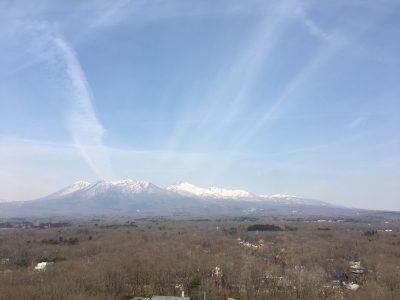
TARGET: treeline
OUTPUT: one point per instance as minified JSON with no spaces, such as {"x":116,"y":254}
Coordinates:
{"x":27,"y":224}
{"x":264,"y":227}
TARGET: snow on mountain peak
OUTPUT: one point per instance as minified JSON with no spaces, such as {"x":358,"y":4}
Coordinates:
{"x":90,"y":189}
{"x":85,"y":189}
{"x":129,"y":185}
{"x":185,"y":188}
{"x":76,"y":186}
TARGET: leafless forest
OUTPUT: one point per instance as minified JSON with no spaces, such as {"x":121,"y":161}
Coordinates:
{"x":121,"y":258}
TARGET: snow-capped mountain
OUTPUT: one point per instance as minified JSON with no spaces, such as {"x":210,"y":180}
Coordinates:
{"x":130,"y":187}
{"x":144,"y":198}
{"x":187,"y":189}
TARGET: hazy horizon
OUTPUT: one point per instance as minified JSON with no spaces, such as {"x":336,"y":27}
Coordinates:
{"x":273,"y":97}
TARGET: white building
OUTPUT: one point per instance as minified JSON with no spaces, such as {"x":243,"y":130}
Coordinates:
{"x":42,"y":266}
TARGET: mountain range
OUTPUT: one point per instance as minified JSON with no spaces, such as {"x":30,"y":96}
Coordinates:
{"x":144,"y":198}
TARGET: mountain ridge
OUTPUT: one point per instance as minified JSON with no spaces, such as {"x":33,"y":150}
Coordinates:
{"x":143,"y":198}
{"x":182,"y":188}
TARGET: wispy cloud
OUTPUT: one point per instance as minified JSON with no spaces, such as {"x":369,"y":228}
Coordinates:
{"x":333,"y":43}
{"x":270,"y":112}
{"x":114,"y":13}
{"x":48,"y":46}
{"x":43,"y":44}
{"x":311,"y":26}
{"x":233,"y":91}
{"x":82,"y":122}
{"x":230,"y":90}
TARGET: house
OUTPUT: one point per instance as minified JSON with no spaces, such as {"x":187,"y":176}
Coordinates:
{"x":42,"y":266}
{"x":355,"y":264}
{"x":356,"y":268}
{"x":351,"y":286}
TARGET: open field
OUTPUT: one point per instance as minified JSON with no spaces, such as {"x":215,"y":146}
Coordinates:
{"x":118,"y":258}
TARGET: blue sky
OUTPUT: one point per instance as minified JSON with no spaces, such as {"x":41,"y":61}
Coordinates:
{"x":294,"y":97}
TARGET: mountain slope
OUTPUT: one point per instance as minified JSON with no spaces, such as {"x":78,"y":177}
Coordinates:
{"x":76,"y":186}
{"x":144,"y":198}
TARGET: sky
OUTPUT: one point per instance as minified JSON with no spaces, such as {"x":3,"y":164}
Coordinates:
{"x":291,"y":97}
